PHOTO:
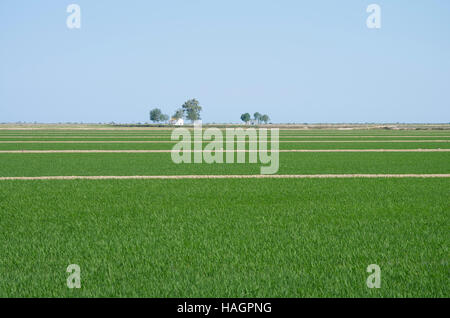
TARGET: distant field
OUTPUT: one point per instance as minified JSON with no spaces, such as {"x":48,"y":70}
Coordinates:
{"x":154,"y":139}
{"x":228,"y":237}
{"x":168,"y":146}
{"x":98,"y":164}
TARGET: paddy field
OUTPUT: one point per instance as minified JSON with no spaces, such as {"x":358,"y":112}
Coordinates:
{"x":139,"y":225}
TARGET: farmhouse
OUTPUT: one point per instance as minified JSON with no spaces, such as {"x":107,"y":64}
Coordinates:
{"x":177,"y":121}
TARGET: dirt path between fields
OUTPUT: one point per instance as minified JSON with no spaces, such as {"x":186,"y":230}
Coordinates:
{"x":206,"y":142}
{"x":255,"y":176}
{"x":190,"y":151}
{"x":168,"y":136}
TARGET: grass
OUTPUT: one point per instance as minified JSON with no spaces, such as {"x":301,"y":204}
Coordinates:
{"x":314,"y":132}
{"x":97,"y":164}
{"x":169,"y":146}
{"x":168,"y":138}
{"x":225,"y":238}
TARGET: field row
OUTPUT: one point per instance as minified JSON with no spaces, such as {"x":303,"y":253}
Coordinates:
{"x":103,"y":164}
{"x":225,"y":238}
{"x":169,"y":145}
{"x":167,"y":132}
{"x":168,"y":138}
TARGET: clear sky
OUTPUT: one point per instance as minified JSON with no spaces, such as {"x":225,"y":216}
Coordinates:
{"x":297,"y":61}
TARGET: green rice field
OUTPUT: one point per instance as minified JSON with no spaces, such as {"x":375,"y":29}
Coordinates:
{"x":241,"y":237}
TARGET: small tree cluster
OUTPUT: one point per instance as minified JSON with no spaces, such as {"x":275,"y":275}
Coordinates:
{"x":157,"y":116}
{"x":179,"y":113}
{"x":246,"y":118}
{"x":257,"y":118}
{"x":190,"y":109}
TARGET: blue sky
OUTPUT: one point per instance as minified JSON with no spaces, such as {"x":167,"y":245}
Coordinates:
{"x":297,"y":61}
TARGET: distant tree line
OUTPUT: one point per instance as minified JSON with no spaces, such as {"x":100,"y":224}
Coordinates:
{"x":257,"y":118}
{"x":157,"y":116}
{"x":190,"y":110}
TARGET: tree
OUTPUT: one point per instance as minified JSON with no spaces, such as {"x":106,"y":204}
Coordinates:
{"x":164,"y":118}
{"x":257,"y":117}
{"x":178,"y":114}
{"x":265,"y":119}
{"x":155,"y":115}
{"x":246,"y":117}
{"x":192,"y":109}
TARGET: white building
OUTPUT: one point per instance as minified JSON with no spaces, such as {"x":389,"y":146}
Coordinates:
{"x":177,"y":122}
